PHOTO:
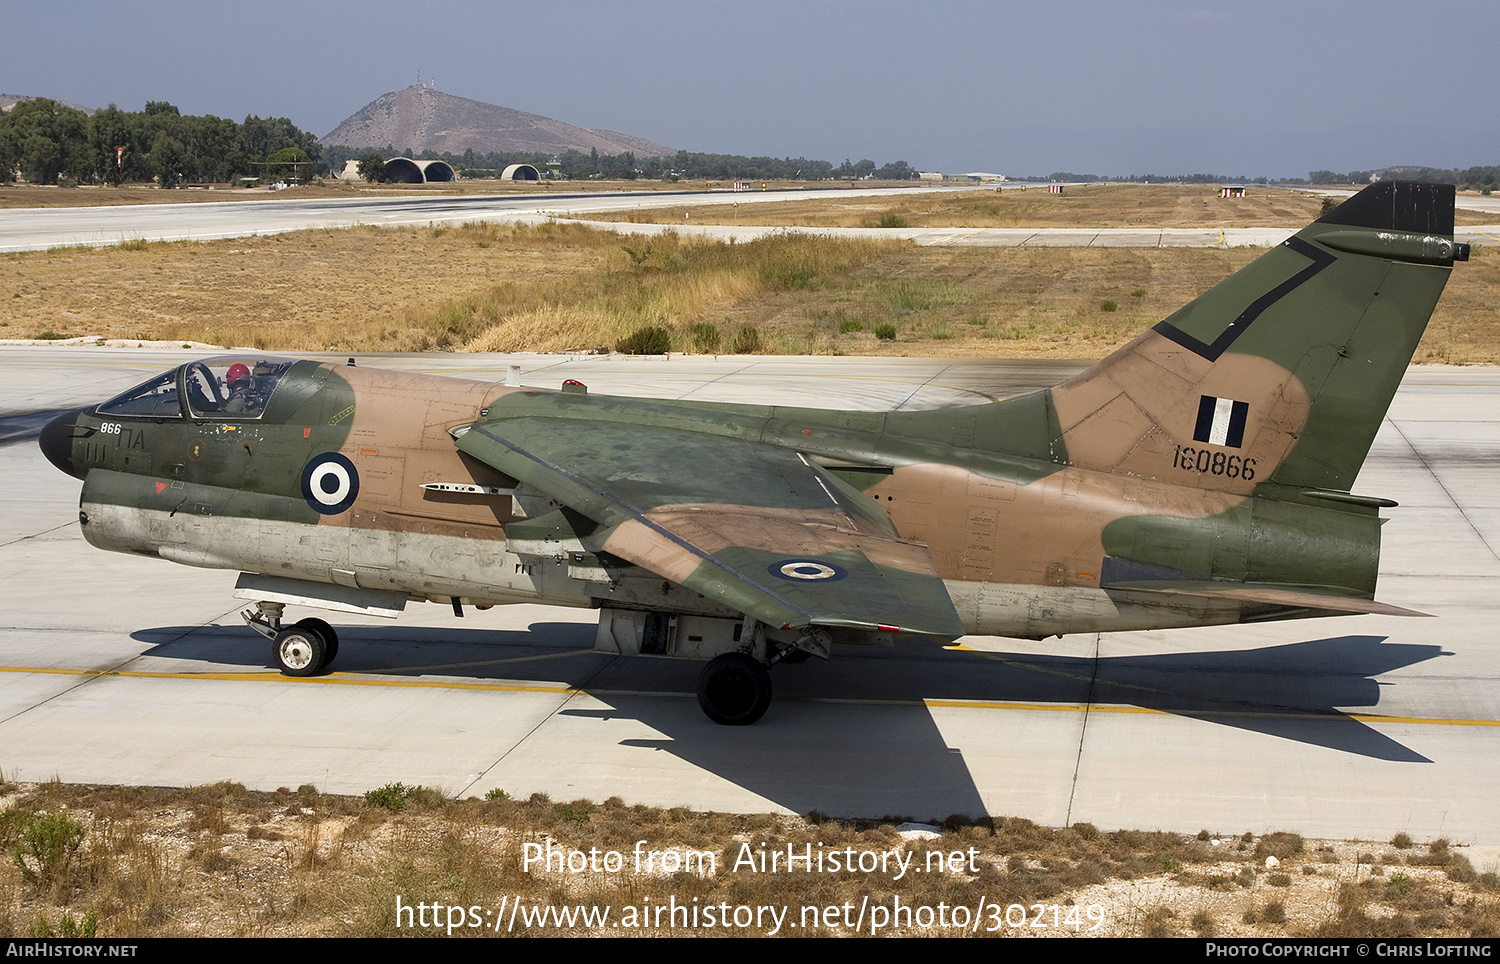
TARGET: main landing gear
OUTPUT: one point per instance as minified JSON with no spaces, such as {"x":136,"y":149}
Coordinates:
{"x":734,"y":689}
{"x":305,"y":648}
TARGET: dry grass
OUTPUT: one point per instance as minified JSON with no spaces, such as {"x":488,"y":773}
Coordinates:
{"x":560,"y":286}
{"x":1014,"y":206}
{"x":221,"y":860}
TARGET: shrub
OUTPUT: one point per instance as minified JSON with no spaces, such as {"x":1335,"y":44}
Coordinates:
{"x":1401,"y":841}
{"x":705,"y":337}
{"x":497,"y":794}
{"x":1108,"y":306}
{"x":746,"y":341}
{"x":885,"y":332}
{"x":1279,"y":845}
{"x":45,"y":845}
{"x":68,"y":927}
{"x":891,"y":219}
{"x":651,"y":340}
{"x":576,"y":812}
{"x":850,"y":325}
{"x":391,"y":797}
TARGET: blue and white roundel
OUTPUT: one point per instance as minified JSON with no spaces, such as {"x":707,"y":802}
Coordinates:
{"x":330,"y":483}
{"x":805,"y":570}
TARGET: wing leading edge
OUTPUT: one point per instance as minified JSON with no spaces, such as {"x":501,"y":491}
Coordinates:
{"x":754,"y":526}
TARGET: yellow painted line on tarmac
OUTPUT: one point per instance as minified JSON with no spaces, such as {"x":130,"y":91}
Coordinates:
{"x":965,"y":237}
{"x":353,"y":679}
{"x":1483,"y":235}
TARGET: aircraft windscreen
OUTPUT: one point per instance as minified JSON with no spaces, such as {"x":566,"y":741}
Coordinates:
{"x":232,"y":386}
{"x":156,"y":398}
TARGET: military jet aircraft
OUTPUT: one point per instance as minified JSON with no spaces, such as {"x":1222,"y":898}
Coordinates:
{"x":1199,"y":475}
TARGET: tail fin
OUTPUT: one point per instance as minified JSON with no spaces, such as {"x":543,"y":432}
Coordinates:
{"x":1284,"y":371}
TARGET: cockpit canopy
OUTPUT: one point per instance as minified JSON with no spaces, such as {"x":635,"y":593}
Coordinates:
{"x":234,"y":387}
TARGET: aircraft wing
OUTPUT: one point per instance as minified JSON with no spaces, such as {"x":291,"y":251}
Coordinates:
{"x":756,"y":527}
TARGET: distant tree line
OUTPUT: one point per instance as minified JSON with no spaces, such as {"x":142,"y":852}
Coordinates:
{"x":626,"y":166}
{"x":1485,"y":178}
{"x":47,"y":141}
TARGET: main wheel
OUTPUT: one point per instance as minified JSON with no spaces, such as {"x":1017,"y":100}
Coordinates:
{"x":734,"y":689}
{"x":330,"y":638}
{"x":299,"y":651}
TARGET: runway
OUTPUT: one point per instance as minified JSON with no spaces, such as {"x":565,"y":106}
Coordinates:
{"x":33,"y":229}
{"x":41,"y":228}
{"x":119,"y":669}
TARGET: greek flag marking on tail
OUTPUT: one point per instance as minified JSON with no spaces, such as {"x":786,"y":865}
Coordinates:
{"x":1221,"y":421}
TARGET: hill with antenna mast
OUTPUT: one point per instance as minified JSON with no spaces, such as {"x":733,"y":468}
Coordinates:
{"x":422,"y":118}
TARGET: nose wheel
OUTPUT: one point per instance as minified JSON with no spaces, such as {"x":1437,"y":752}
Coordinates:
{"x":298,"y":651}
{"x":305,"y":648}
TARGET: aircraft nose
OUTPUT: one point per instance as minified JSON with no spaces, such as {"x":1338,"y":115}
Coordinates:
{"x":56,"y":442}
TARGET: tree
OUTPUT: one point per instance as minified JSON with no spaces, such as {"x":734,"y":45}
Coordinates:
{"x":372,"y":167}
{"x":167,"y":158}
{"x":46,"y":139}
{"x":290,"y":161}
{"x":109,"y":131}
{"x":896,"y":171}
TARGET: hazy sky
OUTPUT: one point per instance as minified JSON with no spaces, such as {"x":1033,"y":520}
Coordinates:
{"x":1162,"y":86}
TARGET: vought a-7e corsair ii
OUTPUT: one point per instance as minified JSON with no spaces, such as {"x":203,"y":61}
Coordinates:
{"x":1199,"y":475}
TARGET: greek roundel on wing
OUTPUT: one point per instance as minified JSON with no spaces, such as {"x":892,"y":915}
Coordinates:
{"x":805,"y":570}
{"x":330,"y":483}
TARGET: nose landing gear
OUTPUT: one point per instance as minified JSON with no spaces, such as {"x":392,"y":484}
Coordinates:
{"x":305,"y":648}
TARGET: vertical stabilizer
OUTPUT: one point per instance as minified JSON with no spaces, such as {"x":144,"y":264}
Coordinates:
{"x":1282,"y":372}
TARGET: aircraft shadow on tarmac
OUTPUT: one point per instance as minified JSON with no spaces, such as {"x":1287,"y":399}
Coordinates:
{"x":24,"y":426}
{"x":900,"y":764}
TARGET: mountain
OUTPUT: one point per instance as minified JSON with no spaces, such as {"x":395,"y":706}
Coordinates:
{"x":423,"y":118}
{"x":7,"y":101}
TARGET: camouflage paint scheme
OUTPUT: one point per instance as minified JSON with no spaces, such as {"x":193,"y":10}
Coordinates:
{"x":1198,"y":475}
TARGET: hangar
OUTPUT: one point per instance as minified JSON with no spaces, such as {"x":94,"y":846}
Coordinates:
{"x":404,"y":170}
{"x":520,"y":172}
